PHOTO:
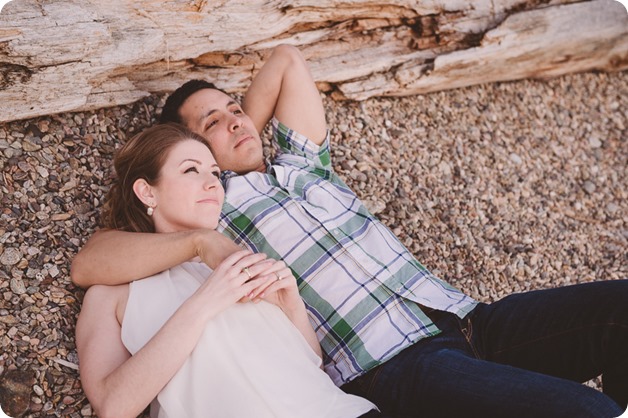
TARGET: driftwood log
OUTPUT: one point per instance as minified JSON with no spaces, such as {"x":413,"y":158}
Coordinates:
{"x":71,"y":55}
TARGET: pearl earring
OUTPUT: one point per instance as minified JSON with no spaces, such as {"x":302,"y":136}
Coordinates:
{"x":150,"y":210}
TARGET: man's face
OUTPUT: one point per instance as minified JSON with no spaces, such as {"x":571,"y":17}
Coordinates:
{"x":231,"y":134}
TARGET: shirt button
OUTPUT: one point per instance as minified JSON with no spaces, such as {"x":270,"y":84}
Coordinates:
{"x":337,"y":232}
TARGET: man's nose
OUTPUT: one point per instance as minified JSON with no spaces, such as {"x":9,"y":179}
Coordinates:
{"x":235,"y":123}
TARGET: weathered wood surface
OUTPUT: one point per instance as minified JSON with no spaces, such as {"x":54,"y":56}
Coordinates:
{"x":70,"y":55}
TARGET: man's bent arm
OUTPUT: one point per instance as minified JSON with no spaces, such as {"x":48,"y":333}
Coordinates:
{"x":284,"y":87}
{"x":113,"y":257}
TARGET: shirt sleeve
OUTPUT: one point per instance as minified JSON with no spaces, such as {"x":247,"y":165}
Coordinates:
{"x":292,"y":147}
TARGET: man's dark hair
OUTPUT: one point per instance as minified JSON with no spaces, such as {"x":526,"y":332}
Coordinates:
{"x":170,"y":112}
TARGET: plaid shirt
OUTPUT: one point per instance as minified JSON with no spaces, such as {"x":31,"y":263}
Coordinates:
{"x":361,"y":286}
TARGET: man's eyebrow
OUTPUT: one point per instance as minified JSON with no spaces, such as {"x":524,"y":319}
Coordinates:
{"x":212,"y":111}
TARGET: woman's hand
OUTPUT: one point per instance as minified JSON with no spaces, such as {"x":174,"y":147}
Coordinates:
{"x":234,"y":278}
{"x":279,"y":288}
{"x":282,"y":290}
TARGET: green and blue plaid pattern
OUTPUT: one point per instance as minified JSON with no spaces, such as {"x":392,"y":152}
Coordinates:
{"x":360,"y":284}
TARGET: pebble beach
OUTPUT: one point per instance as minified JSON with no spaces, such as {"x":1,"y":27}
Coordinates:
{"x":497,"y":188}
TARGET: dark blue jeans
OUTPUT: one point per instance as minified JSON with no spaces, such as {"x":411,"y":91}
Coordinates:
{"x":523,"y":356}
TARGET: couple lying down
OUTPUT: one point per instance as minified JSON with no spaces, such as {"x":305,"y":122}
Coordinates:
{"x":235,"y":341}
{"x":387,"y":329}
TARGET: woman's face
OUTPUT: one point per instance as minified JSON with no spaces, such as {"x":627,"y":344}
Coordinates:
{"x":188,"y":194}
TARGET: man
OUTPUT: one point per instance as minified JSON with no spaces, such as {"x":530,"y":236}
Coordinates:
{"x":390,"y":330}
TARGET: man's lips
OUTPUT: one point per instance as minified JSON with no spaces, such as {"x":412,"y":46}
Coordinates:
{"x":242,"y":140}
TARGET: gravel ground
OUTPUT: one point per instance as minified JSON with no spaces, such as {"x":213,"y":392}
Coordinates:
{"x":498,"y":188}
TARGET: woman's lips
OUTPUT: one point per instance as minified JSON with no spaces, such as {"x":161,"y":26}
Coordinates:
{"x":208,"y":200}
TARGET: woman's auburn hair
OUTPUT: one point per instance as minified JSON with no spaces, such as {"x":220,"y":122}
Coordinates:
{"x":141,"y":157}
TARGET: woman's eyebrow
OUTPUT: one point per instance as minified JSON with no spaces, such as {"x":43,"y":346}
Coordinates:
{"x":190,"y":159}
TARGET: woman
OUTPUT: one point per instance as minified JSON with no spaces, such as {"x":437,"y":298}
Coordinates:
{"x":235,"y":341}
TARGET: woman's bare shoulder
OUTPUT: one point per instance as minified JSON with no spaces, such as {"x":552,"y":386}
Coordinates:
{"x":107,"y":299}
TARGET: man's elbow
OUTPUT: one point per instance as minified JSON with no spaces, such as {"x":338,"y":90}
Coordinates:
{"x":289,"y":53}
{"x":82,"y":268}
{"x":110,"y":409}
{"x":78,"y":272}
{"x":76,"y":275}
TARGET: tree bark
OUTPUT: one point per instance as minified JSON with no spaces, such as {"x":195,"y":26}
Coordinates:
{"x":71,"y":55}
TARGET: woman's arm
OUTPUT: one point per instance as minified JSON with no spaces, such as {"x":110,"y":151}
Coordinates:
{"x":120,"y":385}
{"x":300,"y":320}
{"x":284,"y":87}
{"x":285,"y":294}
{"x":116,"y":384}
{"x":114,"y":257}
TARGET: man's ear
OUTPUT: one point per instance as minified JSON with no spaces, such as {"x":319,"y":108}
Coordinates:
{"x":144,"y":192}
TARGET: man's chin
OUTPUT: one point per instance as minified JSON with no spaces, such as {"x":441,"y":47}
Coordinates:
{"x":247,"y":162}
{"x":249,"y":168}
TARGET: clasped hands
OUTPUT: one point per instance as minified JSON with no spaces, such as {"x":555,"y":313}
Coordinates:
{"x":245,"y":276}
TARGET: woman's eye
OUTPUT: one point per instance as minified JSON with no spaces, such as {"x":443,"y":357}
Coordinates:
{"x":191,"y":170}
{"x":210,"y":124}
{"x":216,"y":174}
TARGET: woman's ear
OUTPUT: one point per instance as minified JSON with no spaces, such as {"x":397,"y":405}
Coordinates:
{"x":144,"y":192}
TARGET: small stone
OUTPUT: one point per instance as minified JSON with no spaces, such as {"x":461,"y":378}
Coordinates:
{"x":17,"y":286}
{"x":31,"y":273}
{"x":374,"y":206}
{"x":515,"y":158}
{"x":15,"y":391}
{"x":444,"y":168}
{"x":53,"y":271}
{"x":612,"y":208}
{"x":589,"y":187}
{"x":29,"y":145}
{"x":43,"y":125}
{"x":36,"y":405}
{"x":8,"y":319}
{"x":61,"y":216}
{"x":86,"y":411}
{"x":594,"y":142}
{"x":10,"y":256}
{"x":42,"y":172}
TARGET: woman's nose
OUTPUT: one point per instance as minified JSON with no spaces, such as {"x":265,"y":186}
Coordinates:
{"x":211,"y":181}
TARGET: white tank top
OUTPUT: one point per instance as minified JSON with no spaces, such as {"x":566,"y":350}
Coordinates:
{"x":249,"y":362}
